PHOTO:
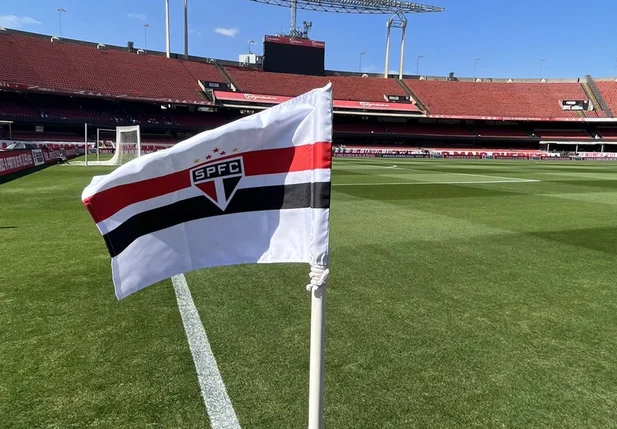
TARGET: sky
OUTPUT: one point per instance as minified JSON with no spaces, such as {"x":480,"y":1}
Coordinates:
{"x":511,"y":38}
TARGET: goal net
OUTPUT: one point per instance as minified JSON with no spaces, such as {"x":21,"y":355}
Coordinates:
{"x":119,"y":146}
{"x":127,"y":146}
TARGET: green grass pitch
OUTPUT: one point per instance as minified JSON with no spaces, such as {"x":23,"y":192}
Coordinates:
{"x":464,"y":294}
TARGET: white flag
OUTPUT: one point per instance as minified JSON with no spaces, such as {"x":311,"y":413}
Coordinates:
{"x":256,"y":190}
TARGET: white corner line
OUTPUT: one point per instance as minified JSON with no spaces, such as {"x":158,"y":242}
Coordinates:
{"x":218,"y":405}
{"x":475,"y":182}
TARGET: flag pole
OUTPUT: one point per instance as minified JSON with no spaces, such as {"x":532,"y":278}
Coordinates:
{"x":317,"y":289}
{"x":86,"y":143}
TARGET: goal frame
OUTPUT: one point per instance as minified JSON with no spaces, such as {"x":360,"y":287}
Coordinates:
{"x":115,"y":160}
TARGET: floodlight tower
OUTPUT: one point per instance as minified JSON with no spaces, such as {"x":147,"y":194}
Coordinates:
{"x":167,"y":37}
{"x":186,"y":30}
{"x":398,"y":21}
{"x":382,"y":7}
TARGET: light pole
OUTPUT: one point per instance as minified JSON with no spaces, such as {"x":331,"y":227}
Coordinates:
{"x":186,"y":30}
{"x":361,"y":55}
{"x":60,"y":12}
{"x":250,"y":43}
{"x":418,"y":65}
{"x":475,"y":66}
{"x":541,"y":66}
{"x":167,"y":35}
{"x":146,"y":26}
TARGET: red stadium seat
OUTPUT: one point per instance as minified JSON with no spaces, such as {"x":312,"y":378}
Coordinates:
{"x":289,"y":85}
{"x":536,"y":100}
{"x":51,"y":137}
{"x":13,"y":109}
{"x":74,"y":67}
{"x":608,"y":89}
{"x":509,"y":132}
{"x":556,"y":134}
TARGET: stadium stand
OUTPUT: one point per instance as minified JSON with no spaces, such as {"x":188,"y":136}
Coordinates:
{"x":79,"y":67}
{"x":609,"y":91}
{"x":73,"y":112}
{"x":203,"y":71}
{"x":509,"y":132}
{"x":16,"y":109}
{"x":607,"y":133}
{"x":559,"y":134}
{"x":430,"y":130}
{"x":204,"y":121}
{"x":344,"y":87}
{"x":372,"y":128}
{"x":47,"y":136}
{"x":496,"y":99}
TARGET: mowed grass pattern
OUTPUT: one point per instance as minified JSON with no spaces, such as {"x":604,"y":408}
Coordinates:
{"x":463,"y":294}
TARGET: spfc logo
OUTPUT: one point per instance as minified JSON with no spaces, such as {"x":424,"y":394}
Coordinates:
{"x":219,"y":180}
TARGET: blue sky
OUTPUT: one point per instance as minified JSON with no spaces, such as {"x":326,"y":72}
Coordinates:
{"x":511,"y":38}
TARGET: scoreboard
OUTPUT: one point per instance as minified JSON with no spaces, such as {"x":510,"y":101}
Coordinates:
{"x":576,"y":105}
{"x":294,"y":55}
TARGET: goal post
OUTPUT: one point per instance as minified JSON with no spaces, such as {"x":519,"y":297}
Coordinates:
{"x":105,"y":138}
{"x":117,"y":146}
{"x":127,"y":146}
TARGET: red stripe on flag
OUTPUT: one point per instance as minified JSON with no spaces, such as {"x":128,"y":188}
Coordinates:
{"x":105,"y":204}
{"x":295,"y":158}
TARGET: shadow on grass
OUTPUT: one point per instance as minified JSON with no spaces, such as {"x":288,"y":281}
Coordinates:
{"x":609,"y":185}
{"x":602,"y":239}
{"x":8,"y":227}
{"x":407,"y":192}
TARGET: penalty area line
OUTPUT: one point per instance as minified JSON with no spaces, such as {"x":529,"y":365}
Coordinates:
{"x":218,"y":405}
{"x":475,"y":182}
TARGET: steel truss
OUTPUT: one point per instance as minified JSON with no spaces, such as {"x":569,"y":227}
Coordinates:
{"x":398,"y":8}
{"x":355,"y":6}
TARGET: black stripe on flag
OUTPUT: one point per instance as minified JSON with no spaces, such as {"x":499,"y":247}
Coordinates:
{"x":303,"y":195}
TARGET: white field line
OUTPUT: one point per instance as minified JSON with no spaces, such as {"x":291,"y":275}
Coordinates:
{"x":478,"y":175}
{"x":218,"y":405}
{"x":403,"y":166}
{"x":476,"y":182}
{"x":494,"y":177}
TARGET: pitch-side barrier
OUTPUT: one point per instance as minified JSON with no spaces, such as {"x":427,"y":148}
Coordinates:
{"x":503,"y":156}
{"x":17,"y":163}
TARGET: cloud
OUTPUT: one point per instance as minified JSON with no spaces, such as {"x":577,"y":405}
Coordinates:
{"x":227,"y":32}
{"x":139,"y":16}
{"x":12,"y":21}
{"x":195,"y":32}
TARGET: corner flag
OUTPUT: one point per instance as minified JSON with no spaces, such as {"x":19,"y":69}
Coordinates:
{"x":256,"y":190}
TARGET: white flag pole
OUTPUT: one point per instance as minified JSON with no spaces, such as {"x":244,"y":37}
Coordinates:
{"x":318,"y":287}
{"x":86,"y":143}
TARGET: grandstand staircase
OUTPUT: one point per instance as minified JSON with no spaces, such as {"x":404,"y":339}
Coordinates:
{"x":594,"y":94}
{"x":227,"y":76}
{"x":413,"y":96}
